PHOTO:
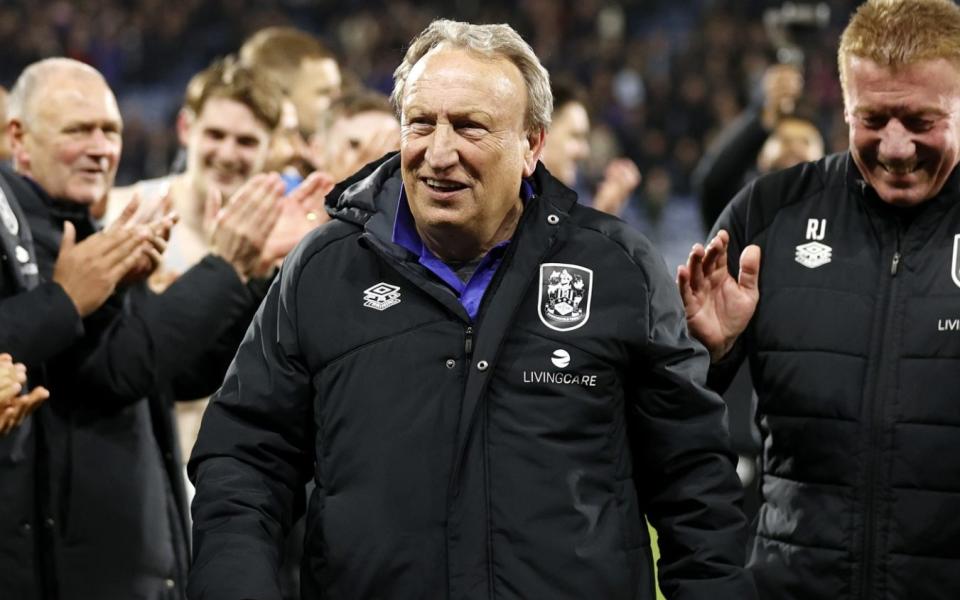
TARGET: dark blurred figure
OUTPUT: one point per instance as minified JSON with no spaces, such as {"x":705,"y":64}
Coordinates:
{"x":359,"y":127}
{"x":308,"y":75}
{"x":568,"y":145}
{"x":766,"y":137}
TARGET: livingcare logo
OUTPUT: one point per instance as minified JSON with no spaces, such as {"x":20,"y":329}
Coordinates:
{"x":560,"y":359}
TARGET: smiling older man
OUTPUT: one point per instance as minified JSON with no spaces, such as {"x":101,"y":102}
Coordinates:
{"x":91,"y":501}
{"x":489,"y":384}
{"x":848,"y":330}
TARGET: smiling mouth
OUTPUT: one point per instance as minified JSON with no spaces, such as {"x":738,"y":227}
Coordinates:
{"x":900,"y":170}
{"x":443,"y":185}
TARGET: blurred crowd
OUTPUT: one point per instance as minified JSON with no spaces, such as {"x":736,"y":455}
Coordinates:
{"x":661,"y":78}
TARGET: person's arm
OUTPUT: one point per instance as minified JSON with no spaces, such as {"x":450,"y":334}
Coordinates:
{"x":138,"y":342}
{"x":724,"y":167}
{"x":253,"y":456}
{"x":685,"y":471}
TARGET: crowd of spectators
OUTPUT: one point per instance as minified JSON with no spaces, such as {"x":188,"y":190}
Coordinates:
{"x":662,"y":77}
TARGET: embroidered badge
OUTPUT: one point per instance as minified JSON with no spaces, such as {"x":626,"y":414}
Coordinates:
{"x":381,"y":296}
{"x":563,"y":302}
{"x":955,"y":266}
{"x":7,"y":216}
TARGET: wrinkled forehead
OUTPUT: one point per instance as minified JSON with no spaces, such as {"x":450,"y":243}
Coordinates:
{"x":74,"y":96}
{"x":494,"y":79}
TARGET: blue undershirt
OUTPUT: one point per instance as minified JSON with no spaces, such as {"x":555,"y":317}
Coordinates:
{"x":470,"y":293}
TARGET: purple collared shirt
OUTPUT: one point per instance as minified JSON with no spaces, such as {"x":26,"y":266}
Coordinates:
{"x":470,"y":293}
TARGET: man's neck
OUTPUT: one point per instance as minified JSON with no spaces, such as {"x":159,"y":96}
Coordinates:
{"x":455,"y":246}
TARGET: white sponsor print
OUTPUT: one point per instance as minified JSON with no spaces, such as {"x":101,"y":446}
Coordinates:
{"x":955,"y":265}
{"x":7,"y":216}
{"x":381,"y":296}
{"x":814,"y":254}
{"x":560,"y":358}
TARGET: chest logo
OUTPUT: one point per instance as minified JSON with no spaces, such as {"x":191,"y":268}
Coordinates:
{"x":381,"y":296}
{"x":563,"y":302}
{"x":955,"y":265}
{"x":7,"y":216}
{"x":814,"y":254}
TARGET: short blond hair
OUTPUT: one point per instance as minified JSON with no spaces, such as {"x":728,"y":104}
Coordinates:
{"x":895,"y":33}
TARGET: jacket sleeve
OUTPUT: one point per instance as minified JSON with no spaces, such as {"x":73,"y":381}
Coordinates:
{"x":38,"y":324}
{"x":253,"y":456}
{"x":139,"y":341}
{"x":685,"y":472}
{"x":724,"y":167}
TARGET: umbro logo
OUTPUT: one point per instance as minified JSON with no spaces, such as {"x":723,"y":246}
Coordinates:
{"x":381,"y":296}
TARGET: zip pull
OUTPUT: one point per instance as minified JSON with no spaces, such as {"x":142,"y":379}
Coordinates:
{"x":468,"y":341}
{"x":895,"y":264}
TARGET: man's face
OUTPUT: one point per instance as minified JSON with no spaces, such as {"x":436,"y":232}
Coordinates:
{"x":567,"y":142}
{"x":315,"y":87}
{"x":70,"y":143}
{"x":358,"y":139}
{"x":792,"y":142}
{"x":463,"y":144}
{"x":904,"y":126}
{"x":226,"y":144}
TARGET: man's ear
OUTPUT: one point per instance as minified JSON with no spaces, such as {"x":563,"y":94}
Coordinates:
{"x":15,"y":133}
{"x":185,"y":120}
{"x":533,"y":148}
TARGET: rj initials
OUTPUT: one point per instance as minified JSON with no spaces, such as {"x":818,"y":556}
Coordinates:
{"x":816,"y":229}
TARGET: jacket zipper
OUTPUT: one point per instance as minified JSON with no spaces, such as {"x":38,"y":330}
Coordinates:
{"x":875,"y":433}
{"x":468,"y":343}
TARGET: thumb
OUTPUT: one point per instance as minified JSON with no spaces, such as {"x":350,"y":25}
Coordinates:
{"x":750,"y":267}
{"x":69,"y":239}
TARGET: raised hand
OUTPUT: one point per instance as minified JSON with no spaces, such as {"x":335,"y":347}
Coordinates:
{"x":620,"y":178}
{"x":300,"y":212}
{"x":89,"y":271}
{"x":782,"y":87}
{"x":239,"y":230}
{"x":14,"y":407}
{"x":718,"y":307}
{"x":153,"y":221}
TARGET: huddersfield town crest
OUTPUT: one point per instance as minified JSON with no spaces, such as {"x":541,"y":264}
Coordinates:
{"x":563,"y":302}
{"x":955,"y":266}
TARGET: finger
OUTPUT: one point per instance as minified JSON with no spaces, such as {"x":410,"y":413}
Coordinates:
{"x":715,"y":257}
{"x":212,"y":206}
{"x":695,"y":267}
{"x":5,"y":357}
{"x":268,"y":206}
{"x":750,"y":267}
{"x":8,"y":417}
{"x":126,"y":217}
{"x":35,"y":398}
{"x":123,"y":247}
{"x":306,"y":190}
{"x":69,"y":239}
{"x":683,"y":284}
